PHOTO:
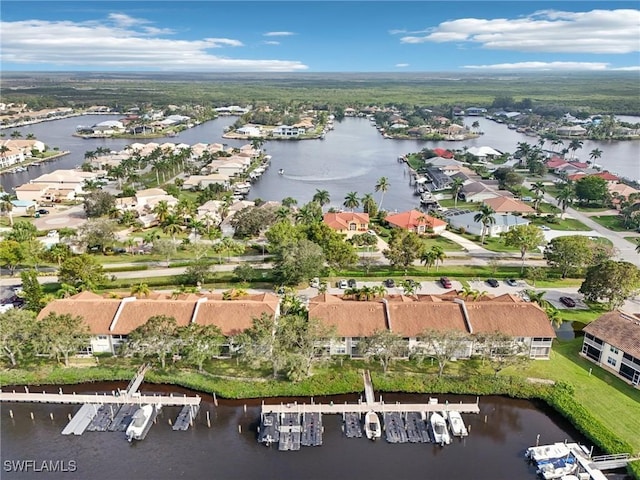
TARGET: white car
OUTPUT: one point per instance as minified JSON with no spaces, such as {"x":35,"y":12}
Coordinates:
{"x":52,"y":233}
{"x":343,"y":284}
{"x":544,"y":228}
{"x":371,"y":232}
{"x":315,"y":282}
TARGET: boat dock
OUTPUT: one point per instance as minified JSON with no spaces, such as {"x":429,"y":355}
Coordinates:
{"x":111,"y":412}
{"x":403,"y":422}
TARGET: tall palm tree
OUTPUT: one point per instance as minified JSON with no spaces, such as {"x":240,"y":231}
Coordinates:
{"x":565,"y":197}
{"x":575,"y":145}
{"x":428,"y":258}
{"x":172,"y":226}
{"x":289,"y":202}
{"x":161,"y":210}
{"x":7,"y":207}
{"x":456,"y":187}
{"x":369,"y":205}
{"x":382,"y":186}
{"x":595,"y":154}
{"x":538,"y":189}
{"x":352,"y":201}
{"x":321,"y":197}
{"x":438,"y":255}
{"x":485,"y":216}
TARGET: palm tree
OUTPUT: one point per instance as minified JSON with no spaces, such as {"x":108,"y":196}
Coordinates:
{"x":536,"y":296}
{"x":321,"y":197}
{"x":7,"y":207}
{"x":554,"y":316}
{"x":369,"y":205}
{"x":438,"y":255}
{"x":565,"y":197}
{"x":538,"y":189}
{"x":139,"y":290}
{"x":289,"y":202}
{"x":66,"y":290}
{"x":456,"y":187}
{"x":161,"y":210}
{"x":486,"y":218}
{"x":382,"y":186}
{"x":172,"y":226}
{"x":595,"y":154}
{"x":351,"y":200}
{"x":379,"y":291}
{"x":16,"y":134}
{"x":428,"y":258}
{"x":575,"y":145}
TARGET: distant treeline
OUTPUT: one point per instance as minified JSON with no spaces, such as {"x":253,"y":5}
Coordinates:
{"x":602,"y":92}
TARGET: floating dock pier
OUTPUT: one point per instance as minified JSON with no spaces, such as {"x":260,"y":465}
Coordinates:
{"x":403,"y":422}
{"x":111,"y":412}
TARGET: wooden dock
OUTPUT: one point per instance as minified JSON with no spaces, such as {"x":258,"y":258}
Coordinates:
{"x":103,"y":398}
{"x":362,"y":408}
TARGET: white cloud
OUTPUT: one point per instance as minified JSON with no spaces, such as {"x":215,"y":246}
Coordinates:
{"x":278,"y":34}
{"x":121,"y":42}
{"x":402,"y":65}
{"x":596,"y":31}
{"x":542,"y":66}
{"x":271,"y":42}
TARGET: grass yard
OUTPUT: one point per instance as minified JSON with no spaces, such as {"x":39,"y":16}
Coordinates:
{"x":612,"y":401}
{"x":445,"y":243}
{"x":495,"y":244}
{"x":612,"y":222}
{"x":565,"y":225}
{"x":633,"y":240}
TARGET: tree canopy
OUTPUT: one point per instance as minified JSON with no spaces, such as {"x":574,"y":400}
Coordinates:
{"x":611,"y":281}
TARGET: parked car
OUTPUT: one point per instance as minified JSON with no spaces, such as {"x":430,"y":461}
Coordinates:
{"x":315,"y":282}
{"x":568,"y":302}
{"x":343,"y":284}
{"x":512,"y":282}
{"x":389,"y":282}
{"x":351,"y":282}
{"x":52,"y":233}
{"x":544,"y":228}
{"x":445,"y":282}
{"x":43,"y":211}
{"x":371,"y":232}
{"x":493,"y":282}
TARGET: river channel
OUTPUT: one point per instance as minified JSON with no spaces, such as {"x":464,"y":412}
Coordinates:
{"x":494,"y":449}
{"x":352,"y":157}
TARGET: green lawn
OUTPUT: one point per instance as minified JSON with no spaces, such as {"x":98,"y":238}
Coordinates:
{"x":445,"y":243}
{"x":612,"y":401}
{"x":633,"y":240}
{"x":495,"y":244}
{"x":566,"y":224}
{"x":612,"y":222}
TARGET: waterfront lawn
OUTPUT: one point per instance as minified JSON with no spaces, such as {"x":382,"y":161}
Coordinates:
{"x":612,"y":222}
{"x":615,"y":403}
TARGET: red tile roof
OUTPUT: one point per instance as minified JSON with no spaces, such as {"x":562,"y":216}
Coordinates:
{"x":441,"y":152}
{"x":414,"y":218}
{"x":609,"y":177}
{"x":341,"y":220}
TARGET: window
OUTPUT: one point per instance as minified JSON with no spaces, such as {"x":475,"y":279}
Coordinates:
{"x":102,"y":337}
{"x":613,"y":350}
{"x":611,"y":361}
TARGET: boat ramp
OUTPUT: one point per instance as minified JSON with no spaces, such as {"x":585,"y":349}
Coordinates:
{"x":112,"y":412}
{"x":293,"y":425}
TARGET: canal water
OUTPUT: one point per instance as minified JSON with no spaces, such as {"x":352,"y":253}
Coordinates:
{"x":494,"y":449}
{"x":352,"y":157}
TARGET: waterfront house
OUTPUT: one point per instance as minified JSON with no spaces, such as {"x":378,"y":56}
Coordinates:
{"x":287,"y":131}
{"x":249,"y":131}
{"x":507,"y":205}
{"x":504,"y":223}
{"x":613,"y":342}
{"x":111,"y":320}
{"x":409,"y":317}
{"x":344,"y":222}
{"x":10,"y":155}
{"x":571,"y":131}
{"x":477,"y":192}
{"x":418,"y":222}
{"x":609,"y":177}
{"x":483,"y":152}
{"x":31,"y":191}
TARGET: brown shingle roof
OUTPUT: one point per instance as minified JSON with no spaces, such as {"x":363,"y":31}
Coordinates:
{"x":351,"y":319}
{"x":619,"y":329}
{"x":97,"y":313}
{"x":137,"y":312}
{"x":520,"y":319}
{"x":234,"y":316}
{"x":411,"y":319}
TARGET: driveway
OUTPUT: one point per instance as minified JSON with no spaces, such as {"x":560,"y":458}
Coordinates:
{"x":71,"y":217}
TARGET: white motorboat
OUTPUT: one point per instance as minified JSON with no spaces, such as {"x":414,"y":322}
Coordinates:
{"x":439,"y":429}
{"x":372,"y":425}
{"x":456,"y":424}
{"x":139,"y":423}
{"x":558,"y":468}
{"x":281,"y":171}
{"x":543,"y":453}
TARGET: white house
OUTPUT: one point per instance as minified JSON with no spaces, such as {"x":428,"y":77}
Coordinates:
{"x":613,"y":342}
{"x":249,"y":131}
{"x":504,"y":223}
{"x":287,"y":131}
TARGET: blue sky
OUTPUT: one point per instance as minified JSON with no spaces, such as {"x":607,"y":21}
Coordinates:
{"x":332,"y":36}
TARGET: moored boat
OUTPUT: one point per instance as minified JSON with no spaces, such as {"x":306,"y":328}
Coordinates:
{"x":439,"y":429}
{"x":281,"y":171}
{"x":372,"y":426}
{"x":543,"y":453}
{"x":140,"y":422}
{"x":456,"y":424}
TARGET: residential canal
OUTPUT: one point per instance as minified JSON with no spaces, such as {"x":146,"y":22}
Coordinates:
{"x":229,"y":449}
{"x":352,"y":157}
